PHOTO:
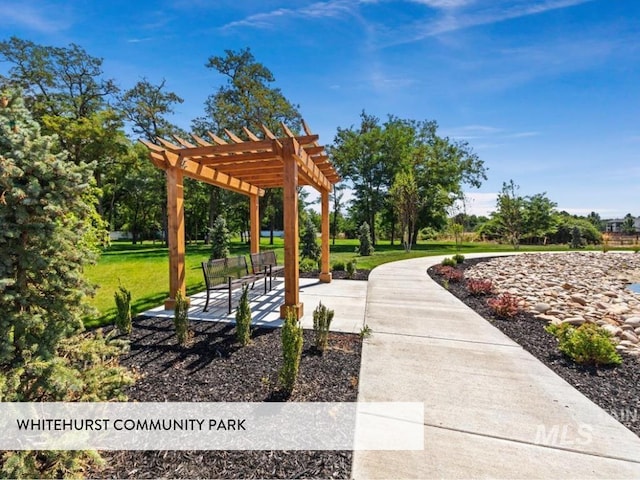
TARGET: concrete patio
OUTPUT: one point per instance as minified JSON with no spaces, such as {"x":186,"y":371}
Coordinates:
{"x":347,"y":298}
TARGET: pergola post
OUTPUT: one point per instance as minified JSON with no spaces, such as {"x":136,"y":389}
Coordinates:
{"x":290,"y":202}
{"x":254,"y":221}
{"x":175,"y":235}
{"x":325,"y":272}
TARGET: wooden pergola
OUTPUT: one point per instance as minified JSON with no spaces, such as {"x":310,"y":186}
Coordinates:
{"x":247,"y":167}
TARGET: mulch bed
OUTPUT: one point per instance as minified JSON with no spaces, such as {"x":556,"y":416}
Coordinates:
{"x":214,"y":368}
{"x":359,"y":274}
{"x":614,"y":389}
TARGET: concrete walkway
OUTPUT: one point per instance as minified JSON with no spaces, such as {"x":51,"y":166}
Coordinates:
{"x":491,"y":409}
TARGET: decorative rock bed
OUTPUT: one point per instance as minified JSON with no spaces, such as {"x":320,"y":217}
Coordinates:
{"x":574,"y":287}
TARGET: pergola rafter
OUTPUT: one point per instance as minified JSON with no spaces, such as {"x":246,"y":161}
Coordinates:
{"x":247,"y":167}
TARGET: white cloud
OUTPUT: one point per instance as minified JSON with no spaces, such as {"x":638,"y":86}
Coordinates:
{"x":522,"y":135}
{"x":444,"y":4}
{"x":329,"y":9}
{"x":37,"y":17}
{"x":467,"y":132}
{"x":459,"y":15}
{"x":485,"y":132}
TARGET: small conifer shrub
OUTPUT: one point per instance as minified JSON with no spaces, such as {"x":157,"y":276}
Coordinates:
{"x":322,"y":318}
{"x":220,"y":238}
{"x":458,"y":258}
{"x":365,"y":247}
{"x":338,"y":266}
{"x":181,"y":319}
{"x":291,"y":351}
{"x":309,"y":247}
{"x":448,"y":262}
{"x":351,"y":268}
{"x":123,"y":310}
{"x":243,"y":318}
{"x":576,"y":238}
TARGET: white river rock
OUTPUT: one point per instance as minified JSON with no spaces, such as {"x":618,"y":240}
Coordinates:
{"x":573,"y":287}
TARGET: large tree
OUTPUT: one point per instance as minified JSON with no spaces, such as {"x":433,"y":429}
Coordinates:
{"x":46,"y":239}
{"x":510,"y":213}
{"x":538,"y":217}
{"x":370,"y":156}
{"x":67,"y":94}
{"x":248,"y":99}
{"x":63,"y":87}
{"x":443,"y":169}
{"x":406,"y":201}
{"x":146,"y":106}
{"x":359,"y":155}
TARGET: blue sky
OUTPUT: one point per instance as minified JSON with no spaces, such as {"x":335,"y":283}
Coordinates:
{"x":547,"y":92}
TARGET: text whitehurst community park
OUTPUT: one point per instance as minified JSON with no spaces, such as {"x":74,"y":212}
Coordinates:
{"x":211,"y":426}
{"x":128,"y":424}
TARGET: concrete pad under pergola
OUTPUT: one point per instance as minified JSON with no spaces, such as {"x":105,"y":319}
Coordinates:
{"x":247,"y":167}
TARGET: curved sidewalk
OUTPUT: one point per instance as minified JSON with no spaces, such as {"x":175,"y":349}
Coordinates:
{"x":492,"y":410}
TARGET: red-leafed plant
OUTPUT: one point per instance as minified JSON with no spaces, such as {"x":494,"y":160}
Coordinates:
{"x":451,"y":274}
{"x":504,"y":306}
{"x":479,"y":287}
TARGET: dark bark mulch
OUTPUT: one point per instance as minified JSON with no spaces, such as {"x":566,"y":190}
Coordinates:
{"x":614,"y":389}
{"x":214,"y":368}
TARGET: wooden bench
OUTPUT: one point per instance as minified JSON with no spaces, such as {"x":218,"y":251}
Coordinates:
{"x":266,"y":264}
{"x":228,"y":274}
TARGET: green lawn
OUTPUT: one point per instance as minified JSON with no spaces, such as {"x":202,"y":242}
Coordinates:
{"x":144,"y":269}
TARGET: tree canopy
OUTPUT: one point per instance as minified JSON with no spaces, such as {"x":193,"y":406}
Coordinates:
{"x":247,"y":98}
{"x":371,"y":155}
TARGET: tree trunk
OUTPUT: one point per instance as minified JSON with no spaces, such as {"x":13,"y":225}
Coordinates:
{"x":272,"y":227}
{"x":393,"y":231}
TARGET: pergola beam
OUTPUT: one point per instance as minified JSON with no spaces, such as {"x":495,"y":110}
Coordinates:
{"x":217,"y":139}
{"x":256,"y":157}
{"x":233,"y":136}
{"x":222,"y":150}
{"x":200,"y":141}
{"x":192,"y":169}
{"x":310,"y":168}
{"x":250,"y":134}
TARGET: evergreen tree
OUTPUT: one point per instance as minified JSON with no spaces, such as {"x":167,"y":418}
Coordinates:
{"x":45,"y":204}
{"x":629,"y":225}
{"x":219,"y":239}
{"x":365,"y":248}
{"x":576,"y":237}
{"x":309,"y":248}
